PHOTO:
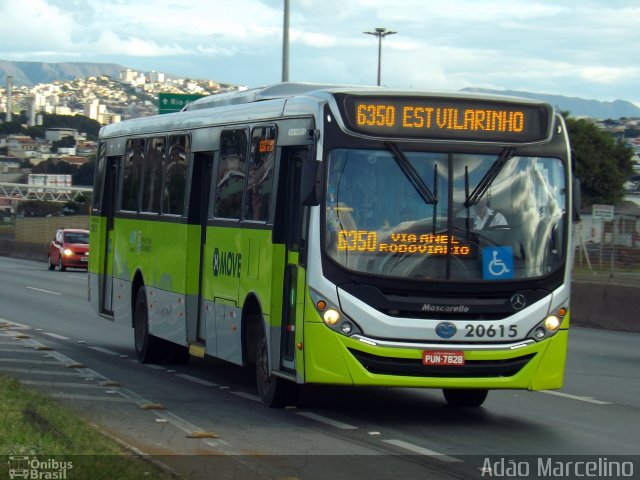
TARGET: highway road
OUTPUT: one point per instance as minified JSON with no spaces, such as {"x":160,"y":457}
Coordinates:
{"x":206,"y":416}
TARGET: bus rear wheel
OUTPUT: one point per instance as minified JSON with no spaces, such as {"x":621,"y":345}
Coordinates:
{"x":274,"y":391}
{"x":465,"y":397}
{"x":148,"y":347}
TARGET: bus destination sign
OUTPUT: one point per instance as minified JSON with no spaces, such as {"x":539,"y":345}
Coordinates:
{"x":448,"y":118}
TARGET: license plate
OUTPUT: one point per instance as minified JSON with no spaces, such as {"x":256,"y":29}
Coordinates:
{"x":443,"y":357}
{"x":84,"y":259}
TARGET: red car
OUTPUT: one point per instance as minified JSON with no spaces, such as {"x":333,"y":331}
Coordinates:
{"x":69,"y":249}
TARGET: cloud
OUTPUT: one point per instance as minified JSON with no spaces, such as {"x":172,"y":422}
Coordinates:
{"x":556,"y":46}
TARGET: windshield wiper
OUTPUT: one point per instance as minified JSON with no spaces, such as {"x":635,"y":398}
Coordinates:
{"x":478,"y":192}
{"x":412,"y":175}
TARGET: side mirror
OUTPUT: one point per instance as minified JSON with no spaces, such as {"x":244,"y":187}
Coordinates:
{"x":577,"y":200}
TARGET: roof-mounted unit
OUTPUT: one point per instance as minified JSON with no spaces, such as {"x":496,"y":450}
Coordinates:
{"x":270,"y":92}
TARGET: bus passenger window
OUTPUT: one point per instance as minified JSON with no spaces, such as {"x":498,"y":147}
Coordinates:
{"x":260,"y":174}
{"x":176,"y":175}
{"x":231,"y":174}
{"x":152,"y":183}
{"x":132,"y":174}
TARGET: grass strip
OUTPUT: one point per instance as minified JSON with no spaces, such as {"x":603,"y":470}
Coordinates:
{"x":38,"y":434}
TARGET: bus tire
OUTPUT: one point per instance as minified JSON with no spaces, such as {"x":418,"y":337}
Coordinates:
{"x":462,"y":397}
{"x":148,"y":347}
{"x":275,"y":392}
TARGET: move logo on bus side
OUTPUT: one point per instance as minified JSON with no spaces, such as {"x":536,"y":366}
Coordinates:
{"x":226,"y":264}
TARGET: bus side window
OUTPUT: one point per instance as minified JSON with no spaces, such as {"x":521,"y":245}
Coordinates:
{"x":132,"y":174}
{"x":99,"y":175}
{"x":260,"y":174}
{"x":175,"y":182}
{"x":231,"y":174}
{"x":153,"y":169}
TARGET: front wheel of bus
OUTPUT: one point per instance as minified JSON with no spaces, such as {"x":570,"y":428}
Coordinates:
{"x":465,"y":397}
{"x":274,"y":391}
{"x":148,"y":347}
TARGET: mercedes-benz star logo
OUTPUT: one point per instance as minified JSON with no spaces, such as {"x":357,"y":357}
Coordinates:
{"x":518,"y":301}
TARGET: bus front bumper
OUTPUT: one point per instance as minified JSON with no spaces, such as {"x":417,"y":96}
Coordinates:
{"x":331,"y":358}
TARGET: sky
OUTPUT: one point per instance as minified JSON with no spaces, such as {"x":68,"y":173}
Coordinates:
{"x":578,"y":48}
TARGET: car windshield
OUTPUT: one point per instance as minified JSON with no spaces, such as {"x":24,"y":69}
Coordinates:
{"x":76,"y":237}
{"x":377,"y":222}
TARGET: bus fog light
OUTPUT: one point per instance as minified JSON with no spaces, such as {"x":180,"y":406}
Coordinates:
{"x":331,"y":317}
{"x":552,"y":323}
{"x":346,"y":328}
{"x":539,"y":333}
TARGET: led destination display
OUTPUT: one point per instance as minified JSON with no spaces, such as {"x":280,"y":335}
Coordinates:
{"x":453,"y":118}
{"x":410,"y":243}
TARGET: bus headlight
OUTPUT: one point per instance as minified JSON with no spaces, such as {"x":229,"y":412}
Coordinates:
{"x":331,"y":317}
{"x":549,"y":326}
{"x":552,"y":323}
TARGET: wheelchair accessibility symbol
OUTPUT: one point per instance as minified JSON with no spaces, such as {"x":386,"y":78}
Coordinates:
{"x":497,"y":263}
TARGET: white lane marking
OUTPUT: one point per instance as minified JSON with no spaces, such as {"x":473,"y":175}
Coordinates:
{"x":55,"y":335}
{"x":151,"y":365}
{"x":14,"y":350}
{"x":12,"y":325}
{"x":423,"y":451}
{"x":38,"y":372}
{"x":24,"y":360}
{"x":327,"y":421}
{"x":104,"y":350}
{"x":60,"y":384}
{"x":93,"y":398}
{"x":248,"y":396}
{"x":45,"y":291}
{"x":193,"y":379}
{"x":576,"y":397}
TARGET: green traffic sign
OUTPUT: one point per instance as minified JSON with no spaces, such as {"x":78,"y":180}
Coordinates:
{"x":174,"y":102}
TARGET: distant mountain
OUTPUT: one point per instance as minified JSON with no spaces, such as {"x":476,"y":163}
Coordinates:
{"x":577,"y":107}
{"x":32,"y":73}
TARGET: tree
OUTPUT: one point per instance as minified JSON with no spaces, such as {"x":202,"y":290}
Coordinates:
{"x":84,"y":173}
{"x":64,"y":142}
{"x":603,"y":164}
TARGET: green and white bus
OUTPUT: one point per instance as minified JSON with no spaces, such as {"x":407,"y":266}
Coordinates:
{"x":342,"y":235}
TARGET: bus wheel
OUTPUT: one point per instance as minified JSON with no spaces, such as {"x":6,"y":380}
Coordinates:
{"x":465,"y":397}
{"x":148,"y":347}
{"x":274,"y":391}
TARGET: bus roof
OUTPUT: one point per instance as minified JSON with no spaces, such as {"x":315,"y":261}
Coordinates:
{"x":294,"y":89}
{"x":273,"y":101}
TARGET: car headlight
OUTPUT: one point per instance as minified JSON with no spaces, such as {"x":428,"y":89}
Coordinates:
{"x":67,"y":252}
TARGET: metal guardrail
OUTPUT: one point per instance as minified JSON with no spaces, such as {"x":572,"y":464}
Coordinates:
{"x":21,"y":191}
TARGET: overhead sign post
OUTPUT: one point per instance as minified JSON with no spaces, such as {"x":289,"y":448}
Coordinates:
{"x":174,"y":102}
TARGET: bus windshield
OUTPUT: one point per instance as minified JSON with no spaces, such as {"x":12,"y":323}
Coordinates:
{"x":377,"y":221}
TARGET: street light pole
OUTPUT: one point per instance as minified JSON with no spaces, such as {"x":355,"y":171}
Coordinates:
{"x":285,"y":43}
{"x":380,"y":32}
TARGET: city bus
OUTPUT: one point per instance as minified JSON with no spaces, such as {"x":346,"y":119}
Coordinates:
{"x":341,"y":235}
